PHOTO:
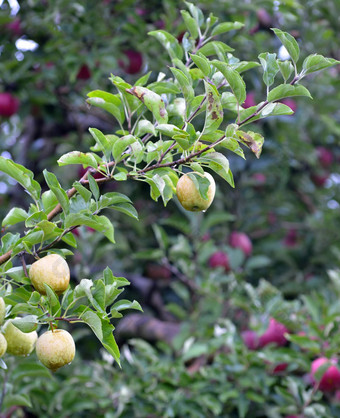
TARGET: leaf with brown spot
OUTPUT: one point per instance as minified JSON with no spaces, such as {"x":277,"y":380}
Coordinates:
{"x":152,"y":101}
{"x":214,"y":112}
{"x":252,"y":140}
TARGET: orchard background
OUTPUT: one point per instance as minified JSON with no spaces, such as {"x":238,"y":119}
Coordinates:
{"x":238,"y":302}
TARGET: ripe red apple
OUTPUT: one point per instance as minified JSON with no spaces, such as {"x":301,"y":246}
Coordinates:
{"x":290,"y":103}
{"x":330,"y":380}
{"x":250,"y":339}
{"x":320,"y":179}
{"x":279,"y":368}
{"x":219,"y":259}
{"x":250,"y":100}
{"x":274,"y":334}
{"x":84,"y":73}
{"x":156,"y":271}
{"x":133,"y":62}
{"x":290,"y":239}
{"x":242,"y":241}
{"x":14,"y":27}
{"x":9,"y":104}
{"x":96,"y":175}
{"x":325,"y":156}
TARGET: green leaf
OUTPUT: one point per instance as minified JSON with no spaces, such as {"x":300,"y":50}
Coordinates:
{"x":286,"y":69}
{"x":226,"y":27}
{"x":120,"y":146}
{"x":316,"y":62}
{"x":83,"y":191}
{"x":201,"y":183}
{"x":77,"y":157}
{"x":214,"y":110}
{"x":252,"y":140}
{"x":190,"y":23}
{"x":152,"y":101}
{"x":14,"y":216}
{"x":108,"y":102}
{"x":164,"y":87}
{"x":56,"y":189}
{"x":93,"y":186}
{"x":289,"y":43}
{"x":125,"y":208}
{"x":101,"y":140}
{"x":234,"y":79}
{"x":103,"y":331}
{"x":22,"y":175}
{"x":215,"y":48}
{"x":99,"y":223}
{"x":202,"y":63}
{"x":218,"y":163}
{"x":287,"y":90}
{"x":126,"y":304}
{"x":26,"y":324}
{"x":70,"y":239}
{"x":17,"y":400}
{"x":270,"y":67}
{"x":195,"y":12}
{"x":49,"y":201}
{"x":170,"y":130}
{"x":184,"y":83}
{"x":143,"y":80}
{"x":169,"y":42}
{"x":275,"y":109}
{"x":145,"y":127}
{"x":53,"y":300}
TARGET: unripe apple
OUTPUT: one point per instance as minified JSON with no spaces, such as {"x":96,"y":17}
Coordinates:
{"x":52,"y":270}
{"x":330,"y":380}
{"x":84,"y":73}
{"x":274,"y":334}
{"x":190,"y":198}
{"x":9,"y":104}
{"x":133,"y":62}
{"x":242,"y":241}
{"x":19,"y":343}
{"x":250,"y":339}
{"x":55,"y":349}
{"x":2,"y":311}
{"x":325,"y":156}
{"x":219,"y":259}
{"x":3,"y":345}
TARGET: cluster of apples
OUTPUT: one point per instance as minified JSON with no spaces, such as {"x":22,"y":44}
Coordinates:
{"x":54,"y":348}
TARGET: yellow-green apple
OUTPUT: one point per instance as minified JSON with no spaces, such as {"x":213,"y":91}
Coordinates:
{"x":188,"y":195}
{"x":19,"y":343}
{"x":52,"y":270}
{"x":3,"y":345}
{"x":55,"y":349}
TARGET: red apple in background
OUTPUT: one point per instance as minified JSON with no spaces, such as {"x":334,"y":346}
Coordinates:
{"x":157,"y":271}
{"x":320,"y":179}
{"x":330,"y":380}
{"x":219,"y":259}
{"x":290,"y":103}
{"x":250,"y":339}
{"x":96,"y":175}
{"x":9,"y":104}
{"x":14,"y":27}
{"x":274,"y":334}
{"x":250,"y":100}
{"x":133,"y":62}
{"x":325,"y":156}
{"x":290,"y":239}
{"x":242,"y":241}
{"x":84,"y":73}
{"x":279,"y":368}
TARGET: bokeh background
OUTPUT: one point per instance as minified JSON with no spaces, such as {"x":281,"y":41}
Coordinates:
{"x":185,"y":355}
